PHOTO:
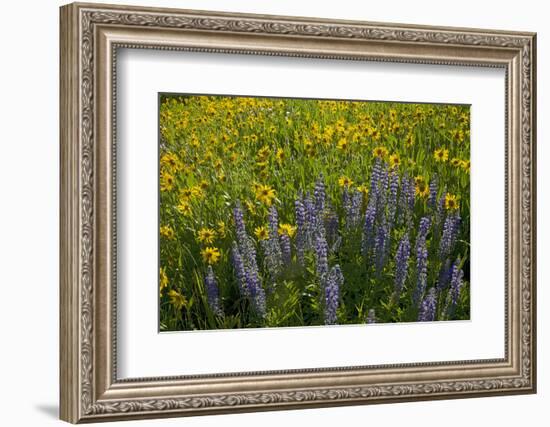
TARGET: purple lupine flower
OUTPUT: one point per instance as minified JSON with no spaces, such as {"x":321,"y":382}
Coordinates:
{"x":454,"y":291}
{"x":321,"y":254}
{"x":353,"y":209}
{"x":392,"y":200}
{"x":212,"y":292}
{"x":240,"y":271}
{"x":423,"y":228}
{"x":285,"y":249}
{"x":301,"y":231}
{"x":421,"y":271}
{"x":246,"y":246}
{"x":331,"y":227}
{"x":444,"y":275}
{"x":381,"y":247}
{"x":428,"y":307}
{"x":346,"y":202}
{"x":273,"y":222}
{"x":334,"y":282}
{"x":257,"y":293}
{"x":405,"y":197}
{"x":371,"y":317}
{"x":240,"y":228}
{"x":374,"y":180}
{"x":271,"y":246}
{"x":246,"y":266}
{"x":432,"y":198}
{"x":384,"y":179}
{"x":367,"y":240}
{"x":401,"y":264}
{"x":319,"y":194}
{"x":314,"y":223}
{"x":449,"y":236}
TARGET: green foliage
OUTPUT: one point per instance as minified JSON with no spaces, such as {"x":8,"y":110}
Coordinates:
{"x":215,"y":151}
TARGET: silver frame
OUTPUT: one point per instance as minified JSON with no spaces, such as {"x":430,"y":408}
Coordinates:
{"x":90,"y":37}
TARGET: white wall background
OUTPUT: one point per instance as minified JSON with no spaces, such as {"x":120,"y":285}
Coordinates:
{"x":29,"y":171}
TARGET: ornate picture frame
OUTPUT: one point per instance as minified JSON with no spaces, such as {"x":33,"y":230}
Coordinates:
{"x":90,"y":37}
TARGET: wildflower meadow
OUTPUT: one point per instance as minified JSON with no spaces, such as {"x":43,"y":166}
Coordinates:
{"x":300,"y":212}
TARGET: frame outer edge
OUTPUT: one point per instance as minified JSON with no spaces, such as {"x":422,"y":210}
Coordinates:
{"x":69,"y":355}
{"x":534,"y":270}
{"x":77,"y":339}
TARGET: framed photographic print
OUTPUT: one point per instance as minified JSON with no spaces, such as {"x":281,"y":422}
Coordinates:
{"x":265,"y":212}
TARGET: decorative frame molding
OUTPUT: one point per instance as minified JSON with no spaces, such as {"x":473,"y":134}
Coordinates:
{"x":90,"y":36}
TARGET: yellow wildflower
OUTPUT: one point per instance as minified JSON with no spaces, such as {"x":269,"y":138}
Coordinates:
{"x":211,"y":255}
{"x":170,"y":160}
{"x":380,"y":152}
{"x":167,"y":232}
{"x":280,"y":155}
{"x":465,"y":165}
{"x":184,"y":208}
{"x":395,"y":160}
{"x":456,"y":162}
{"x":343,"y":144}
{"x":163,"y":280}
{"x":441,"y":155}
{"x":265,"y":194}
{"x":177,"y":299}
{"x":206,"y":235}
{"x":167,"y":181}
{"x":363,"y":189}
{"x":261,"y":233}
{"x":288,"y":229}
{"x":422,"y":189}
{"x":344,"y":181}
{"x":451,"y":202}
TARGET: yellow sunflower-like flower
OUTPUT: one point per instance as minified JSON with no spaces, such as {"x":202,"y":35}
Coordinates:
{"x":380,"y":152}
{"x":206,"y":235}
{"x":211,"y":255}
{"x":441,"y":155}
{"x":422,"y":189}
{"x":167,"y":181}
{"x":344,"y":181}
{"x":263,"y":153}
{"x":167,"y":232}
{"x":186,"y":194}
{"x":184,"y":208}
{"x":395,"y":160}
{"x":163,"y":280}
{"x":177,"y":299}
{"x":261,"y":233}
{"x":451,"y":202}
{"x":170,"y":160}
{"x":456,"y":162}
{"x":265,"y":194}
{"x":343,"y":144}
{"x":409,"y":141}
{"x":288,"y":229}
{"x":364,"y":190}
{"x":465,"y":164}
{"x":280,"y":155}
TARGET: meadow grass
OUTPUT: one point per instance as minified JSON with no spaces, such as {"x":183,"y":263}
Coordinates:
{"x":343,"y":162}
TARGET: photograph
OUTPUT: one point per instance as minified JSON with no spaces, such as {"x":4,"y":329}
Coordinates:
{"x":288,"y":212}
